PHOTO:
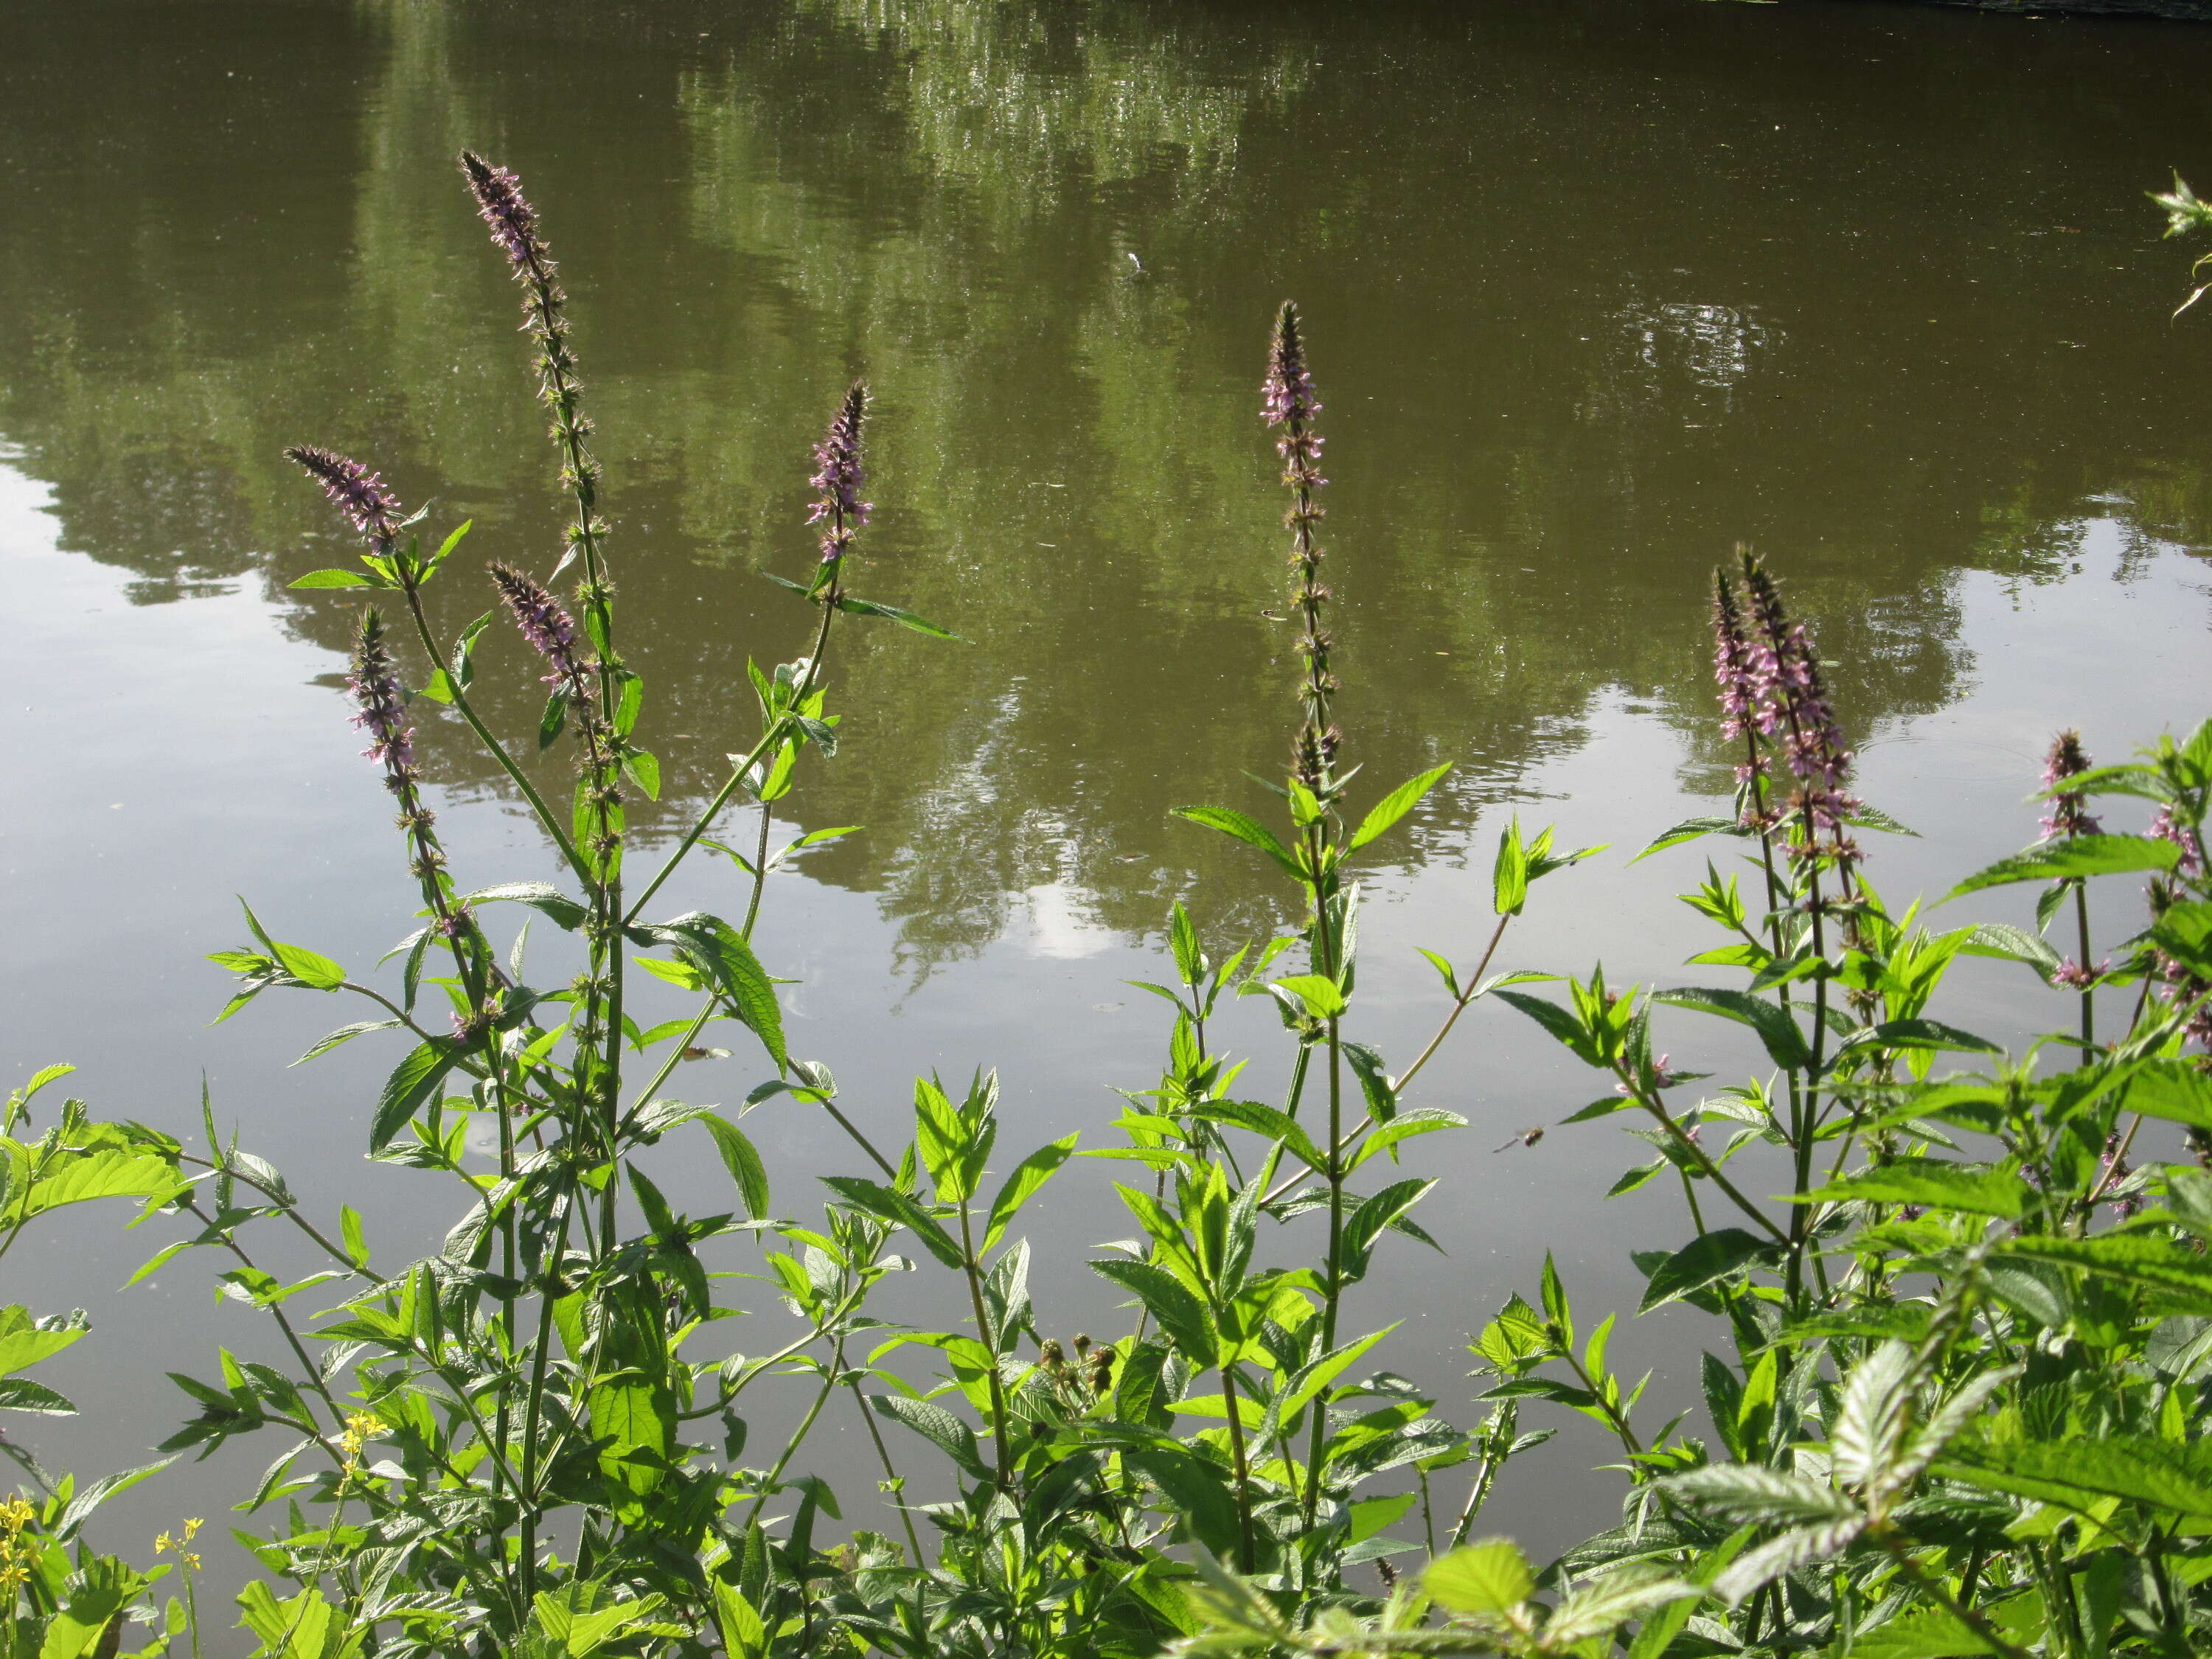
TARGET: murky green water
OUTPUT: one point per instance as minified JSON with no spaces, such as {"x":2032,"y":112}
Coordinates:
{"x":1597,"y":287}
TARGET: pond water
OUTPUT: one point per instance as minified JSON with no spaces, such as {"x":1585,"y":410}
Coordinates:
{"x":1597,"y":288}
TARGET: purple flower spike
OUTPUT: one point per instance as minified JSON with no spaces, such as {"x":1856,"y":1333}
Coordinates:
{"x":549,"y":628}
{"x":1787,"y":697}
{"x":1732,"y":670}
{"x":1287,"y":399}
{"x":1286,"y":396}
{"x":2164,"y":828}
{"x":838,"y":476}
{"x":499,"y":204}
{"x":374,"y":683}
{"x":2069,"y":813}
{"x":353,"y":489}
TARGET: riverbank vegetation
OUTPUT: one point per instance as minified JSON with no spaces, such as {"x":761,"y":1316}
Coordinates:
{"x":1952,"y":1402}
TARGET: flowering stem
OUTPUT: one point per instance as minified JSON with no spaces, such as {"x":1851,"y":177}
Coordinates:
{"x":2088,"y":988}
{"x":538,"y":809}
{"x":1474,"y":990}
{"x":776,"y":733}
{"x":1698,"y":1155}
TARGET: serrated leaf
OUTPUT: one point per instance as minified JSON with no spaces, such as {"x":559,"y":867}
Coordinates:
{"x":2080,"y":856}
{"x":1690,"y":829}
{"x":1483,"y":1579}
{"x":860,"y":607}
{"x":1031,"y":1173}
{"x":1784,"y":1043}
{"x":743,"y":1163}
{"x":1932,"y":1182}
{"x":1246,"y":828}
{"x":410,"y":1084}
{"x":1182,"y":1318}
{"x":900,"y":1209}
{"x":1711,"y":1256}
{"x":1395,"y":804}
{"x":338,"y":579}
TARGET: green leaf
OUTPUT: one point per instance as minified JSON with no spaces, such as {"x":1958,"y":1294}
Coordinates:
{"x":900,"y":1210}
{"x":1182,"y":1319}
{"x":346,"y":1034}
{"x":1365,"y":1225}
{"x":1712,"y":1256}
{"x":556,"y":715}
{"x":79,"y":1178}
{"x":541,"y":896}
{"x":1375,"y":1081}
{"x":1322,"y":998}
{"x":1196,"y":1491}
{"x":1873,"y":817}
{"x":1182,"y":937}
{"x":1267,"y":1122}
{"x":1785,"y":1045}
{"x":1031,"y":1173}
{"x":1370,"y":1515}
{"x":338,"y":579}
{"x":2173,"y":1090}
{"x":2082,"y":856}
{"x":1395,"y":804}
{"x":1509,"y":875}
{"x":411,"y":1083}
{"x":2138,"y":1258}
{"x":2079,"y":1471}
{"x":747,"y":989}
{"x":24,"y":1342}
{"x":20,"y":1394}
{"x":1305,"y":1384}
{"x":445,"y":548}
{"x":309,"y":967}
{"x":2184,"y":932}
{"x":937,"y":1425}
{"x":860,"y":607}
{"x":1997,"y":938}
{"x":643,"y":768}
{"x":1246,"y":828}
{"x":354,"y":1235}
{"x":1484,"y":1579}
{"x":1926,"y":1034}
{"x":1404,"y":1127}
{"x":1560,"y":1022}
{"x":1933,"y":1183}
{"x":1690,"y":829}
{"x":743,"y":1162}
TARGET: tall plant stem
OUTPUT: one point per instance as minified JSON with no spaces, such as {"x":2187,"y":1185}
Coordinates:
{"x":1459,"y":1007}
{"x":776,"y":731}
{"x":2089,"y":993}
{"x":1241,"y":1468}
{"x":528,"y":790}
{"x":1703,"y":1160}
{"x":533,"y":1410}
{"x":830,"y":1376}
{"x":1932,"y":1587}
{"x":760,"y":875}
{"x":984,"y":1330}
{"x":883,"y":1457}
{"x":1326,"y":964}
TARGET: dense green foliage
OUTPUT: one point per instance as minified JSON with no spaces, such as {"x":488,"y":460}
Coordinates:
{"x":1956,"y":1404}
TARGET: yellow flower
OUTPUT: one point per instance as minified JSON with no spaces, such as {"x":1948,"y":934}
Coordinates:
{"x":192,"y":1528}
{"x":163,"y":1542}
{"x":191,"y":1561}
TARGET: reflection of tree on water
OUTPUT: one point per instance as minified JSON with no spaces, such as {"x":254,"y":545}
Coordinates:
{"x":1563,"y":376}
